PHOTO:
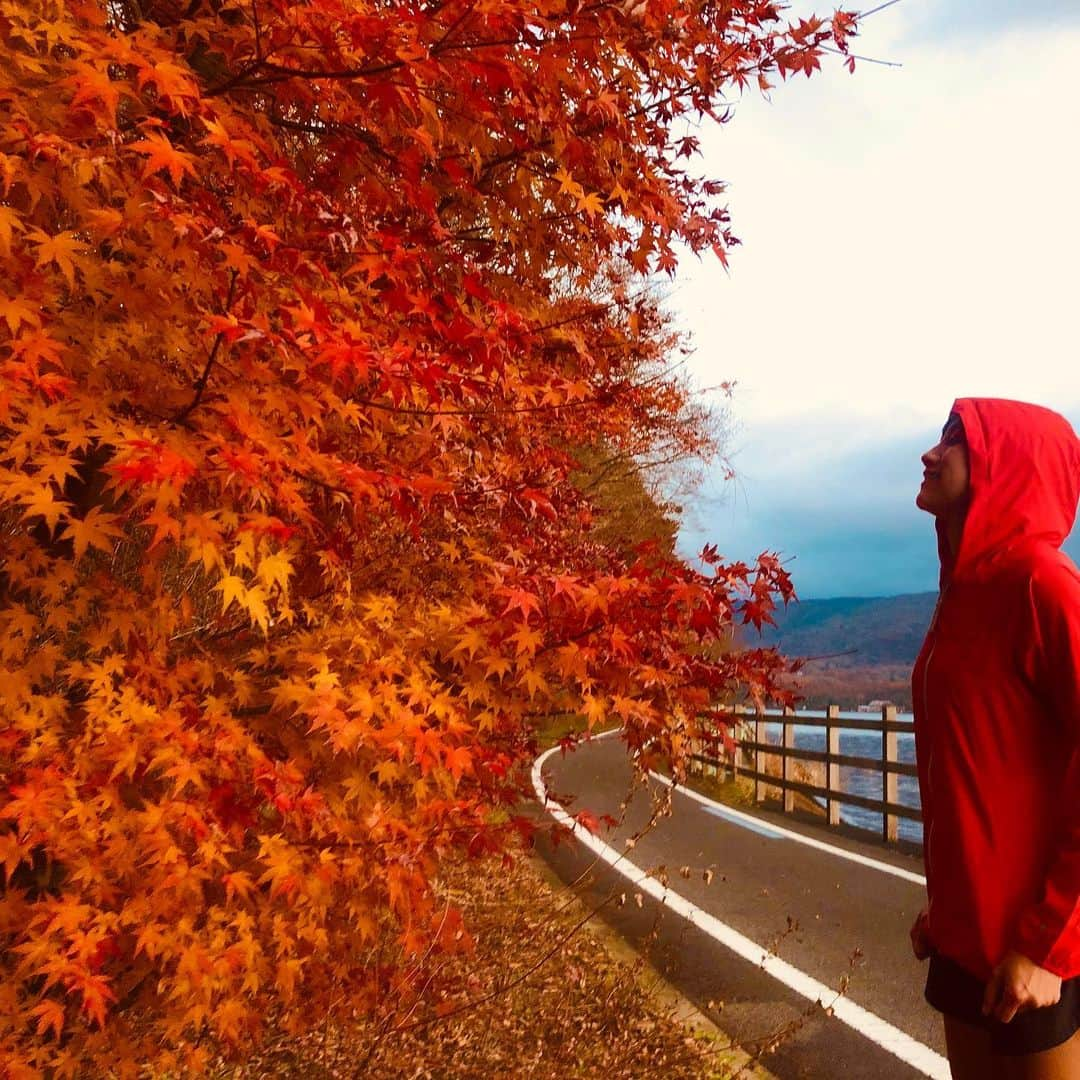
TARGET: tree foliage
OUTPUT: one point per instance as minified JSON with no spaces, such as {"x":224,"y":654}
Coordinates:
{"x":304,"y":308}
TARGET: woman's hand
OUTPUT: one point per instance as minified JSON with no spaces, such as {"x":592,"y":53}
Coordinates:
{"x":1018,"y":985}
{"x":920,"y":942}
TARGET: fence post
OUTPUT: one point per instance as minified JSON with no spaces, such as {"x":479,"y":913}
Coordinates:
{"x":749,"y":757}
{"x":761,"y":736}
{"x":787,"y":762}
{"x":736,"y":733}
{"x":889,"y":779}
{"x":719,"y":750}
{"x":832,"y":770}
{"x":708,"y":749}
{"x":759,"y":760}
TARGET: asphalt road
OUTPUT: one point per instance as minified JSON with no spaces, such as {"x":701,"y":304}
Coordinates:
{"x":827,"y":916}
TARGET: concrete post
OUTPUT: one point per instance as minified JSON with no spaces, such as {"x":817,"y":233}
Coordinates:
{"x":832,"y":770}
{"x":788,"y":763}
{"x":889,"y":780}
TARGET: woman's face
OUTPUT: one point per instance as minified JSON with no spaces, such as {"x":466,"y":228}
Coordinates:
{"x":945,"y":473}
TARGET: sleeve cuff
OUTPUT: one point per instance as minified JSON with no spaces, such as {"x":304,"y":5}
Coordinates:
{"x":1036,"y":938}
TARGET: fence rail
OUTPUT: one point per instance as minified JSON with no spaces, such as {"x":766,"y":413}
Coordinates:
{"x":745,"y":753}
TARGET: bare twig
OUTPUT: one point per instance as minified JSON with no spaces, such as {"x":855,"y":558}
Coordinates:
{"x":200,"y":384}
{"x":874,"y":10}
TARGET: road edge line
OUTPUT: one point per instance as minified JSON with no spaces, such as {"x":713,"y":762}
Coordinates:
{"x":869,"y":1025}
{"x":791,"y":834}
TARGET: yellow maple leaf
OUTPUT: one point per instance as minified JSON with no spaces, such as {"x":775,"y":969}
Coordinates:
{"x":532,"y":682}
{"x":232,"y":1015}
{"x":232,"y":588}
{"x":165,"y":527}
{"x":97,"y":529}
{"x":255,"y":602}
{"x":233,"y":149}
{"x":275,"y":569}
{"x":595,"y":710}
{"x":171,"y":81}
{"x":470,"y":641}
{"x":61,"y":250}
{"x":238,"y":883}
{"x":527,"y":640}
{"x":42,"y":502}
{"x":236,"y":258}
{"x":496,"y":665}
{"x":106,"y":221}
{"x":592,"y":203}
{"x":243,"y":552}
{"x":10,"y":219}
{"x":388,"y":771}
{"x":184,"y":772}
{"x":56,"y":467}
{"x":568,"y":185}
{"x":16,"y":310}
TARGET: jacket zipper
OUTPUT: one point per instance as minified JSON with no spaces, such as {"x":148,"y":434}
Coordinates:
{"x":926,"y":716}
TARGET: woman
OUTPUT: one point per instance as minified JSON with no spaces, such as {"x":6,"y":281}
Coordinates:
{"x":997,"y":732}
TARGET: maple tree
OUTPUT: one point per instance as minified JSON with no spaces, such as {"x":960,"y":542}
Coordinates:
{"x":306,"y":308}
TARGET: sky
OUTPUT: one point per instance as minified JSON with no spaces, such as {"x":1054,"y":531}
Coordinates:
{"x":909,"y":235}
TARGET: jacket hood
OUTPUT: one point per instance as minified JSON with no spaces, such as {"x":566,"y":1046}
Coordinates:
{"x":1024,"y":466}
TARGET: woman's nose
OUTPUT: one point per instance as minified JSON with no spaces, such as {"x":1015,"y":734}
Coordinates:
{"x":929,"y":457}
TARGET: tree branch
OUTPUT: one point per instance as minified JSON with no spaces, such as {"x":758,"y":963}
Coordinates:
{"x":200,"y":383}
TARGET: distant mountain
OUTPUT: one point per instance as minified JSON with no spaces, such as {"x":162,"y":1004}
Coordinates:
{"x":882,"y":630}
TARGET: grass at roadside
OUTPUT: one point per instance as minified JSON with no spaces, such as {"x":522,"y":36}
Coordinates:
{"x":582,"y":1012}
{"x":560,"y":725}
{"x":720,"y":785}
{"x":723,"y":788}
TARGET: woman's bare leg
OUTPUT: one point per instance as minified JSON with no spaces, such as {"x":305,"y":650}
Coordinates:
{"x":969,"y":1051}
{"x":1060,"y":1063}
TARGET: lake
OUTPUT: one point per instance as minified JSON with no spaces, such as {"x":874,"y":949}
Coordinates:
{"x":811,"y":736}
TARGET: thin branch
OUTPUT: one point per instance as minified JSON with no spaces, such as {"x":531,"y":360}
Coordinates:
{"x":258,"y":31}
{"x":282,"y":72}
{"x":862,"y":59}
{"x":236,"y":80}
{"x":499,"y":991}
{"x":200,"y":384}
{"x":329,"y":128}
{"x":453,"y":27}
{"x":874,"y":10}
{"x":477,"y":412}
{"x":825,"y":656}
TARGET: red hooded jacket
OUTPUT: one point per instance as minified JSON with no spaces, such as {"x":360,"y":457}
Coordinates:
{"x":996,"y":691}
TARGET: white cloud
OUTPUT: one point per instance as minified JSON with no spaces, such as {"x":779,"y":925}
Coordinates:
{"x":910,"y":236}
{"x":947,"y":19}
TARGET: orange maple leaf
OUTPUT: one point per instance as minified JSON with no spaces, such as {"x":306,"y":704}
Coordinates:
{"x":161,"y":154}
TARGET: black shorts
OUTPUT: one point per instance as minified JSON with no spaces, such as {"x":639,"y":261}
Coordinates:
{"x":953,"y":990}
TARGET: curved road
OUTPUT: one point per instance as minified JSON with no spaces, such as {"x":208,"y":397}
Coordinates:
{"x":831,"y":913}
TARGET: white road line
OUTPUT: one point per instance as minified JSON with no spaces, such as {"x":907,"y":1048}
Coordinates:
{"x":879,"y":1031}
{"x":790,"y":834}
{"x":758,"y":827}
{"x":809,"y":841}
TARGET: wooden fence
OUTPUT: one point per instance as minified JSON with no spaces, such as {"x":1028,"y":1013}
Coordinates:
{"x":751,"y":748}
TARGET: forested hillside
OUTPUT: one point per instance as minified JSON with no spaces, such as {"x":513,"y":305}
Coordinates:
{"x":864,"y":646}
{"x":873,"y":630}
